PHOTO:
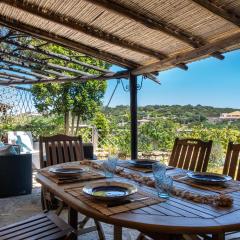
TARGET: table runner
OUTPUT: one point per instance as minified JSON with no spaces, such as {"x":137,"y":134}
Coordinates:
{"x":229,"y":187}
{"x":102,"y":206}
{"x":85,"y":176}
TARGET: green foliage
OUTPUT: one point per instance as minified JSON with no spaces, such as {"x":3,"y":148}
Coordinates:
{"x":157,"y":135}
{"x":82,"y":99}
{"x":37,"y":125}
{"x":102,"y":124}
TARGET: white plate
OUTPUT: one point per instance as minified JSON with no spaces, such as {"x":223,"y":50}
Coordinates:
{"x":109,"y":190}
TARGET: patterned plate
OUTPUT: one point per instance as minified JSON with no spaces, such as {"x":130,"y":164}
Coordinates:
{"x":108,"y":191}
{"x":144,"y":163}
{"x":66,"y":172}
{"x":209,"y":178}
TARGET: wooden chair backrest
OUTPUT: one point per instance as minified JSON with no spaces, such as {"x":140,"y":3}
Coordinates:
{"x":190,"y":154}
{"x":232,"y":162}
{"x":60,"y":149}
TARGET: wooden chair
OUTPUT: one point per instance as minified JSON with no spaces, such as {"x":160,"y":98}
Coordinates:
{"x":55,"y":150}
{"x":232,"y":163}
{"x":42,"y":226}
{"x":62,"y":149}
{"x":190,"y":154}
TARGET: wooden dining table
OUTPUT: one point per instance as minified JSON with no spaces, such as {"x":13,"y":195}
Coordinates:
{"x":170,"y":219}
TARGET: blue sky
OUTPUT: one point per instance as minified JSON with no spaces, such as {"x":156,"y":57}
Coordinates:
{"x":207,"y":82}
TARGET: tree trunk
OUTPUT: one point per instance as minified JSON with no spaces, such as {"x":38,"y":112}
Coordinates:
{"x":73,"y":122}
{"x":77,"y":127}
{"x":66,"y":123}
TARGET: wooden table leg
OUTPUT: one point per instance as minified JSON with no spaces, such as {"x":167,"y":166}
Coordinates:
{"x":117,"y":232}
{"x":73,"y":219}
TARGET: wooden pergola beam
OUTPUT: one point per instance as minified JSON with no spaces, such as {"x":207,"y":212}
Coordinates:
{"x":18,"y":70}
{"x":25,"y":65}
{"x":82,"y":27}
{"x":44,"y":63}
{"x":107,"y":76}
{"x":190,"y":55}
{"x":51,"y":54}
{"x":62,"y":41}
{"x":11,"y":75}
{"x":219,"y":10}
{"x":154,"y":23}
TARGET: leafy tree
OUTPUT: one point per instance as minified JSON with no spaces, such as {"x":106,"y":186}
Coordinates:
{"x":102,"y":124}
{"x":82,"y":100}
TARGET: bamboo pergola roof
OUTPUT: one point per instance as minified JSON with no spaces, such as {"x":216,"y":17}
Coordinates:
{"x":144,"y":36}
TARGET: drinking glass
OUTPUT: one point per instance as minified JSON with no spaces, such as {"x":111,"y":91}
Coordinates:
{"x":163,"y":183}
{"x":164,"y":186}
{"x":159,"y":170}
{"x":109,"y":166}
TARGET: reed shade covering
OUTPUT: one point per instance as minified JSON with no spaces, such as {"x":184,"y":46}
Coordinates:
{"x":134,"y":34}
{"x":102,"y":206}
{"x":228,"y":187}
{"x":84,"y":176}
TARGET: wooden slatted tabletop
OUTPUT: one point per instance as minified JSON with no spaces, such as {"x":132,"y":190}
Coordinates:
{"x":175,"y":216}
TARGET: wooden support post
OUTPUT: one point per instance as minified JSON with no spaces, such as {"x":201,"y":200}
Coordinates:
{"x":133,"y":111}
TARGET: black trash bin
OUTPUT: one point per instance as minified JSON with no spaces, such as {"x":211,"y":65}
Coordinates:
{"x":15,"y":175}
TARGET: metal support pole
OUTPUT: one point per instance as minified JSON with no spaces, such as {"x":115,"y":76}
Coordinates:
{"x":133,"y":111}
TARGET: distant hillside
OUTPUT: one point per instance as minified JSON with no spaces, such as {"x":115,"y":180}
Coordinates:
{"x":187,"y":112}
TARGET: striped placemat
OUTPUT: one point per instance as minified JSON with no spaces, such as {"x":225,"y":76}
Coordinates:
{"x":228,"y":187}
{"x":85,"y":176}
{"x":102,"y":206}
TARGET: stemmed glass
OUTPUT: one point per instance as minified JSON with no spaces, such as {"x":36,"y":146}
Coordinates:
{"x":163,"y":183}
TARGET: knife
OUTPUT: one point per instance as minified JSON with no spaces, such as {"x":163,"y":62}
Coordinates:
{"x":126,"y":201}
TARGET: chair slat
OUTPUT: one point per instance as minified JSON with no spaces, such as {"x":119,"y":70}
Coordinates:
{"x":188,"y":157}
{"x":40,"y":217}
{"x":182,"y":156}
{"x":207,"y":156}
{"x":43,"y":226}
{"x":232,"y":162}
{"x":177,"y":154}
{"x":28,"y":230}
{"x":48,"y":154}
{"x":228,"y":158}
{"x":196,"y":150}
{"x":79,"y":150}
{"x":172,"y":156}
{"x":54,"y":153}
{"x":71,"y":149}
{"x":24,"y":226}
{"x":60,"y":152}
{"x":66,"y":152}
{"x":201,"y":157}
